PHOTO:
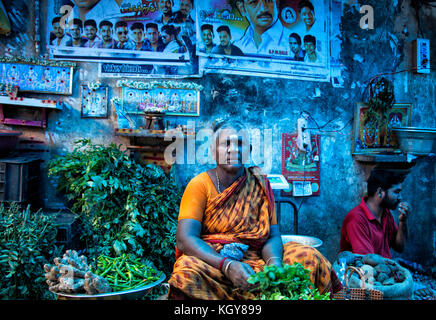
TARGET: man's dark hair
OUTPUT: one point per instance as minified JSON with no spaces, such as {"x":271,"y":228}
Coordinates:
{"x":170,"y":29}
{"x":305,"y":3}
{"x":296,"y":37}
{"x":224,"y":28}
{"x":137,"y":25}
{"x":151,"y":25}
{"x":120,"y":24}
{"x":207,"y":26}
{"x":105,"y":23}
{"x":382,"y":178}
{"x":78,"y":22}
{"x":91,"y":23}
{"x":309,"y":38}
{"x":55,"y":20}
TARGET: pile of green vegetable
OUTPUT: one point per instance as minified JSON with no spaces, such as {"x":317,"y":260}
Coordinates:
{"x":27,"y":242}
{"x":124,"y":206}
{"x":289,"y":282}
{"x":125,"y":272}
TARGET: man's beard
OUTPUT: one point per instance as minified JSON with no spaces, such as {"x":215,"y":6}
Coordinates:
{"x":389,"y":204}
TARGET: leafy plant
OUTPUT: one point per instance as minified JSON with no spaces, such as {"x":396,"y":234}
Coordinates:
{"x":290,"y":282}
{"x":124,"y":206}
{"x":27,"y":242}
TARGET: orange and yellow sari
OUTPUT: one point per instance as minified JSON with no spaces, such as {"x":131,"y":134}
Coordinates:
{"x":242,"y":213}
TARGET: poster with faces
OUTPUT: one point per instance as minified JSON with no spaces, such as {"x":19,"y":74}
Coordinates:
{"x":159,"y":34}
{"x":285,"y":38}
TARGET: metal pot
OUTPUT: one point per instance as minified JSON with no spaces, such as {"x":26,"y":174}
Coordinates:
{"x":414,"y":140}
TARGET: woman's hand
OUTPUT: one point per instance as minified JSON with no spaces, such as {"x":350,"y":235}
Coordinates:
{"x":238,"y":272}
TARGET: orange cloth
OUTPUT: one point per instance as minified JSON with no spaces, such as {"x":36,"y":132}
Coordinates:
{"x":241,"y":213}
{"x":199,"y":192}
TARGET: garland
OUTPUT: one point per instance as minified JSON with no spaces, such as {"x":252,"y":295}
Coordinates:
{"x":37,"y":61}
{"x":158,"y":84}
{"x":380,"y":101}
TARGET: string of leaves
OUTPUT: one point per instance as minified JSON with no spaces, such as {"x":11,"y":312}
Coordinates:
{"x":381,"y":100}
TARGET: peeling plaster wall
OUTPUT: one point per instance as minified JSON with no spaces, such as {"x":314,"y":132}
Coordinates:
{"x":275,"y":104}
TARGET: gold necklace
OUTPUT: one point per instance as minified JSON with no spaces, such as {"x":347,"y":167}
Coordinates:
{"x":218,"y":181}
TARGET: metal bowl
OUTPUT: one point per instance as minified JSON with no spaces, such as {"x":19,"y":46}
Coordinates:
{"x":307,"y":240}
{"x":414,"y":140}
{"x":132,"y":294}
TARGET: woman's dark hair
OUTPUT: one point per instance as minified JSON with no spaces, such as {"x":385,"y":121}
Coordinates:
{"x":382,"y":178}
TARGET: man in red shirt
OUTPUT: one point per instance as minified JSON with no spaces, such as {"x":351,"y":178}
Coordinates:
{"x":370,"y":227}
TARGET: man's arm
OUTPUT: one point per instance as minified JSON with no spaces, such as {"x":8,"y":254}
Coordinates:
{"x":402,"y":233}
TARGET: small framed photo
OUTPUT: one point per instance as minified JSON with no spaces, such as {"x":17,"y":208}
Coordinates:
{"x":38,"y":76}
{"x":370,"y":137}
{"x":94,"y":102}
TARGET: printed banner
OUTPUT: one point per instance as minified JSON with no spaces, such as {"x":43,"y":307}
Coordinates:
{"x":287,"y":38}
{"x":147,"y":32}
{"x":301,"y":169}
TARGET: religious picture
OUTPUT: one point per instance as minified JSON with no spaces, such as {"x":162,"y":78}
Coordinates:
{"x":94,"y":102}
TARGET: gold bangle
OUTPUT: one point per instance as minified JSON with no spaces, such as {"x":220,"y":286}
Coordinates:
{"x":227,"y":267}
{"x":267,"y":261}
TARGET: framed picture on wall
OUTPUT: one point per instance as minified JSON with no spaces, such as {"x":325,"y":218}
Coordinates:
{"x":170,"y":98}
{"x":39,"y":76}
{"x":94,"y":102}
{"x":377,"y":137}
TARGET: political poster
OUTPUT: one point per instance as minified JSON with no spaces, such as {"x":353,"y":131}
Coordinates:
{"x":154,"y":33}
{"x":285,"y":38}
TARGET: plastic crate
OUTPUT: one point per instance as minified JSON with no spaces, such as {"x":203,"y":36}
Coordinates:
{"x":20,"y":179}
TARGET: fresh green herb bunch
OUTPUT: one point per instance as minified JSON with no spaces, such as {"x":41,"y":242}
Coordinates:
{"x":290,"y":282}
{"x":125,"y":207}
{"x":27,"y":242}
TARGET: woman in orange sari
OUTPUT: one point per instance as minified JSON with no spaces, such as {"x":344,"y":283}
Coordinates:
{"x":227,"y":229}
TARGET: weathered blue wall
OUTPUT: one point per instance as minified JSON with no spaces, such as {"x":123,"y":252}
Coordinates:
{"x":268,"y":103}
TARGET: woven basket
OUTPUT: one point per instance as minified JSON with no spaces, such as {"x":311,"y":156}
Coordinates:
{"x":362,"y":293}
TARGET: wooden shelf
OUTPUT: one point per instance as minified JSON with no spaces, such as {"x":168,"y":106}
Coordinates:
{"x":42,"y":105}
{"x":144,"y":133}
{"x":31,"y":102}
{"x":397,"y":161}
{"x":380,"y":157}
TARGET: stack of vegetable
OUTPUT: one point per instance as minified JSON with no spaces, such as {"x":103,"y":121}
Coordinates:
{"x":379,"y":273}
{"x":290,"y":282}
{"x":71,"y":274}
{"x":124,"y":272}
